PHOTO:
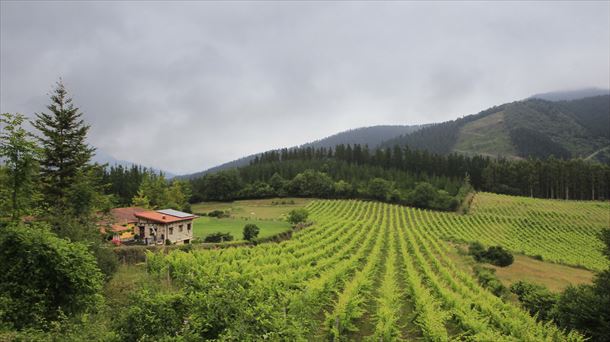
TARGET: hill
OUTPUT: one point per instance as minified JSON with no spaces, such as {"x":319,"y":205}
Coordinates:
{"x":102,"y":157}
{"x":568,"y":95}
{"x":372,"y":136}
{"x":532,"y":127}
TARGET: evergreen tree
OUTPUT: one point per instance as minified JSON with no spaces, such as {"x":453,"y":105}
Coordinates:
{"x":19,"y":153}
{"x":65,"y":152}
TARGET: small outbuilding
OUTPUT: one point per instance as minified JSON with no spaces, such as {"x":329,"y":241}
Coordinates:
{"x":120,"y":223}
{"x":159,"y":226}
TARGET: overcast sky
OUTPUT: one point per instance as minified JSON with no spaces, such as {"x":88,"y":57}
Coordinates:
{"x":184,"y":86}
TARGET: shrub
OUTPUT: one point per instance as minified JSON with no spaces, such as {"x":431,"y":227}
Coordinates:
{"x":168,"y":242}
{"x":218,"y":237}
{"x":44,"y":277}
{"x":379,"y":189}
{"x":495,"y":255}
{"x":218,"y":213}
{"x":536,"y":299}
{"x":250,"y":232}
{"x":296,"y":216}
{"x":422,"y":196}
{"x":477,"y":250}
{"x":107,"y":260}
{"x":153,"y":316}
{"x":498,"y":256}
{"x":488,"y":279}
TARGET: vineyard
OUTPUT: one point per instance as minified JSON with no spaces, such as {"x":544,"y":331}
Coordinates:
{"x":559,"y":231}
{"x":374,"y":271}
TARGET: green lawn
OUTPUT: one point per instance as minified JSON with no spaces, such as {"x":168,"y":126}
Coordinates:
{"x":207,"y":225}
{"x":265,"y":209}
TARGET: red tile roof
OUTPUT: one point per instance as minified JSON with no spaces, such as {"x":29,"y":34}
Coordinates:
{"x":118,"y":228}
{"x":162,"y":218}
{"x":125,"y":215}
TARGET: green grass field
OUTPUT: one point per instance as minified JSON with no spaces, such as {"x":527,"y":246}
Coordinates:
{"x":268,"y":214}
{"x":264,"y":209}
{"x":208,"y":225}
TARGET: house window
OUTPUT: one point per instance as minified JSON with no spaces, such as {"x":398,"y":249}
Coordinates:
{"x":151,"y":231}
{"x":171,"y":230}
{"x":180,"y":228}
{"x":188,"y":226}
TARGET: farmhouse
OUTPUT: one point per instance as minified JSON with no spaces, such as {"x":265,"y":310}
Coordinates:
{"x":159,"y":226}
{"x":121,"y":223}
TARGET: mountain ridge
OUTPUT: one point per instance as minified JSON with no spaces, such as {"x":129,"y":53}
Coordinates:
{"x":372,"y":136}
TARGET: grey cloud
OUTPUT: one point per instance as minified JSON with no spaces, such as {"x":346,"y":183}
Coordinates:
{"x":187,"y":85}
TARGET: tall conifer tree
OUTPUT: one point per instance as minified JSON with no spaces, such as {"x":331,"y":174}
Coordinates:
{"x":65,"y":152}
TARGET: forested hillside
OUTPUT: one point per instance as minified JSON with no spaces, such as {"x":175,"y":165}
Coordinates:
{"x":365,"y":136}
{"x":401,"y":175}
{"x":529,"y":128}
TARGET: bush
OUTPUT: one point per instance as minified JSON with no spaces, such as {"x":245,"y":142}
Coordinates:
{"x":379,"y":189}
{"x":218,"y":213}
{"x":250,"y":232}
{"x":296,"y":216}
{"x":218,"y":237}
{"x":580,"y":308}
{"x":498,"y":256}
{"x":495,"y":255}
{"x":168,"y":242}
{"x":153,"y":316}
{"x":423,"y":195}
{"x":477,"y":250}
{"x":488,"y":279}
{"x":536,"y":299}
{"x":107,"y":260}
{"x":44,"y":277}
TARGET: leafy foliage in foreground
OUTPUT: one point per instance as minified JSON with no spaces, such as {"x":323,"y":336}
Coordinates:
{"x":44,"y":277}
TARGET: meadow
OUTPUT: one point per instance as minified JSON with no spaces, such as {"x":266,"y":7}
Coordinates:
{"x":267,"y":214}
{"x":261,"y":209}
{"x":207,"y":225}
{"x":369,"y":270}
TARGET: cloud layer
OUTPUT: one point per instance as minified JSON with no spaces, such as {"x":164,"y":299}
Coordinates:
{"x":184,"y":86}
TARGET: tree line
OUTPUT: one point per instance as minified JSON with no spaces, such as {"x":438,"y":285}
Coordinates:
{"x":391,"y":174}
{"x":146,"y":188}
{"x":330,"y":179}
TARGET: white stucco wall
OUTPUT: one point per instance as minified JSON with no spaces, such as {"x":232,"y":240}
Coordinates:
{"x":176,"y":232}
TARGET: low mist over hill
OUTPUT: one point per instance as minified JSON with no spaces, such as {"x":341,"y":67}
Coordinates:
{"x":102,"y":157}
{"x":566,"y":95}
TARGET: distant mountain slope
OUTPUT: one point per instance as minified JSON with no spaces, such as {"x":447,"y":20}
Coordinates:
{"x":102,"y":157}
{"x":440,"y":137}
{"x":591,"y":113}
{"x":372,"y":136}
{"x":568,"y":95}
{"x":533,"y":127}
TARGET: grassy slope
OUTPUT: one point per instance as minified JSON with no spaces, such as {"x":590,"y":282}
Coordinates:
{"x":560,"y":231}
{"x":253,"y":209}
{"x":269,"y":217}
{"x":207,"y":225}
{"x":487,"y":136}
{"x":555,"y":277}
